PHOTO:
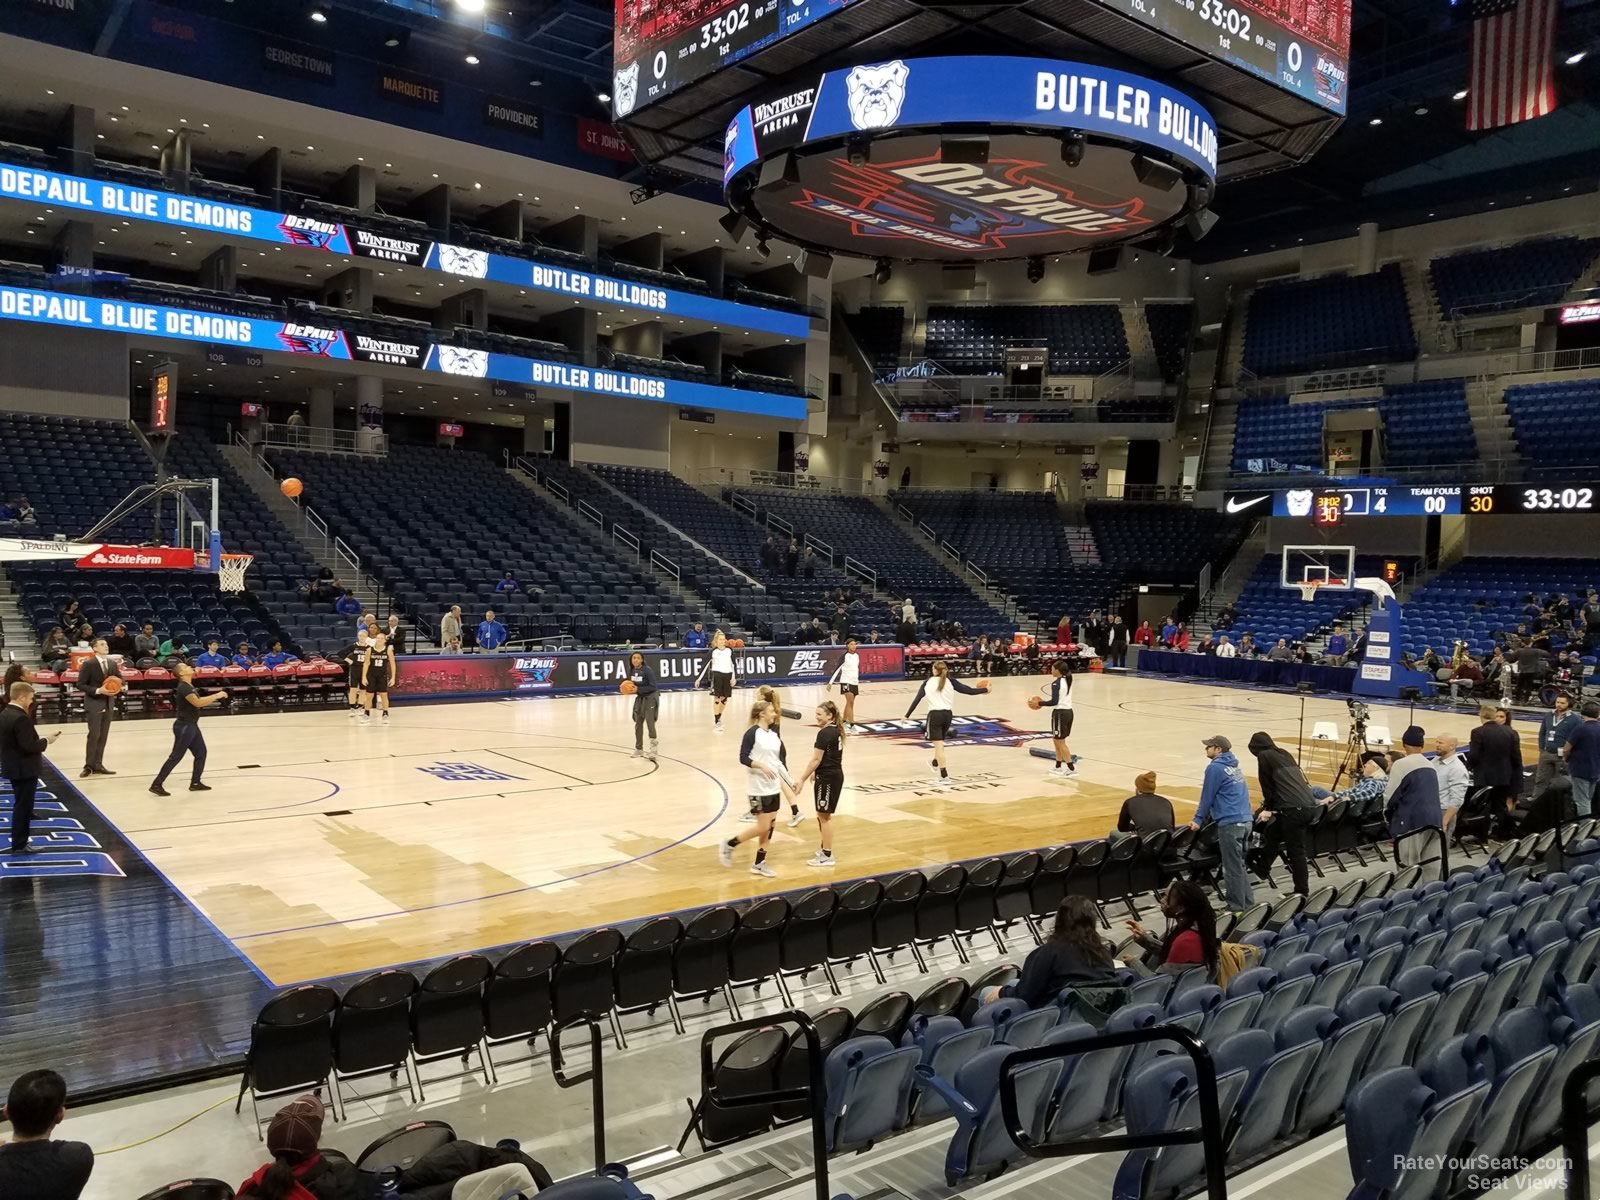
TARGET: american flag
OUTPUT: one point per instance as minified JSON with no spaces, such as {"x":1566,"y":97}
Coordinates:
{"x":1512,"y":77}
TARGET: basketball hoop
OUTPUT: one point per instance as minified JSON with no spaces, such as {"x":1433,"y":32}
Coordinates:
{"x":1308,"y":589}
{"x":230,"y":571}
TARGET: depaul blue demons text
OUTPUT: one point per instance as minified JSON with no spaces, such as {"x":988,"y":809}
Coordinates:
{"x":61,"y":844}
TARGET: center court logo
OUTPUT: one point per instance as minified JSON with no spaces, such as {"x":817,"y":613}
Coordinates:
{"x":964,"y":731}
{"x":875,"y":94}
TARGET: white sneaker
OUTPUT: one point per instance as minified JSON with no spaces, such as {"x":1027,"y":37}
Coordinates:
{"x":366,"y":717}
{"x":762,"y":869}
{"x":353,"y":713}
{"x":749,"y":818}
{"x":796,"y":819}
{"x":945,"y":783}
{"x":820,"y":860}
{"x":386,"y":716}
{"x":725,"y":853}
{"x":637,"y":753}
{"x":718,"y":726}
{"x":651,"y":753}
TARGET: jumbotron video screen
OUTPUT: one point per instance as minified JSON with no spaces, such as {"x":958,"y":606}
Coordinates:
{"x":662,"y":45}
{"x":1301,"y":45}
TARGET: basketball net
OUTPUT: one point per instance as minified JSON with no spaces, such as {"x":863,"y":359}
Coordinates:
{"x":230,"y":571}
{"x":1308,"y":589}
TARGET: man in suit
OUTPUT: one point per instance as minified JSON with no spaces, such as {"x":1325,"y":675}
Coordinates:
{"x":1495,"y":755}
{"x":98,"y":707}
{"x":21,"y":751}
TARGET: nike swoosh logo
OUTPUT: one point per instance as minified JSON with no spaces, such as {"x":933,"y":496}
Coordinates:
{"x":1238,"y":506}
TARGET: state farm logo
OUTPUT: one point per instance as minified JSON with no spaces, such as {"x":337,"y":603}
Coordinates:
{"x":808,"y":662}
{"x":135,"y":558}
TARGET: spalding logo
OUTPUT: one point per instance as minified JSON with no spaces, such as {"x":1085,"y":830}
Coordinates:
{"x":626,"y":89}
{"x":875,"y":94}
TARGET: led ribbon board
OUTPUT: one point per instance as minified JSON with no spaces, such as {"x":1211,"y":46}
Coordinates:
{"x":329,"y":341}
{"x":314,"y":233}
{"x":860,"y":160}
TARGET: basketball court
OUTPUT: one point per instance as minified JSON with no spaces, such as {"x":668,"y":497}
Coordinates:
{"x":331,"y":847}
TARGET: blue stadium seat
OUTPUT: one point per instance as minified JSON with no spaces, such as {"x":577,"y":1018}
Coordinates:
{"x":1530,"y":274}
{"x":1336,"y":320}
{"x":1392,"y":1117}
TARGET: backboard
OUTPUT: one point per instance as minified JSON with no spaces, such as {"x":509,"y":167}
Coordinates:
{"x":1318,"y":567}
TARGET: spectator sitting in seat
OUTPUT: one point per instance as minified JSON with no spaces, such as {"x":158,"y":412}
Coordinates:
{"x":32,"y":1166}
{"x":1205,"y":645}
{"x":1144,"y":635}
{"x":696,"y":638}
{"x":1248,"y":647}
{"x":174,"y":649}
{"x":508,"y":583}
{"x":1281,"y":652}
{"x":1338,"y":646}
{"x":1429,"y":661}
{"x":1373,"y":780}
{"x":1225,"y":618}
{"x":147,"y":644}
{"x":1074,"y":955}
{"x":55,"y":649}
{"x":121,"y":643}
{"x":1191,"y":937}
{"x":277,"y":655}
{"x":491,"y":633}
{"x":24,"y":509}
{"x":1180,"y":638}
{"x":1225,"y":648}
{"x":299,"y":1168}
{"x":243,"y":656}
{"x":71,"y":617}
{"x":1145,"y":811}
{"x":212,"y":657}
{"x":347,"y":605}
{"x":1467,"y":677}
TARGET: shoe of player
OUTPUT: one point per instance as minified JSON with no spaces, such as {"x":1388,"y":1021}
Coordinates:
{"x":820,"y":860}
{"x":638,"y":752}
{"x":749,"y":818}
{"x":796,"y":819}
{"x":725,"y":854}
{"x":366,"y":718}
{"x":651,"y":753}
{"x":945,"y":783}
{"x":762,"y":869}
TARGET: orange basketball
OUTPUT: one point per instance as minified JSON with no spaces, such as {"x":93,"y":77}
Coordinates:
{"x":627,"y":687}
{"x":736,"y":643}
{"x":1035,"y":703}
{"x":291,"y":487}
{"x":113,"y":684}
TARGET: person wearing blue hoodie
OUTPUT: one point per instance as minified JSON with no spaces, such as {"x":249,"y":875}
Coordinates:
{"x":1225,"y":799}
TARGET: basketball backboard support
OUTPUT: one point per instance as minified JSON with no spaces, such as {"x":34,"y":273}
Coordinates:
{"x":1318,"y":567}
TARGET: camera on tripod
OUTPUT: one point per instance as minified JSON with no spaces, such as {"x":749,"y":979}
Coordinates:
{"x":1359,"y":713}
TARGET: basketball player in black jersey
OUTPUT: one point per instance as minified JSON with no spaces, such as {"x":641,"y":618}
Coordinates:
{"x":827,"y":769}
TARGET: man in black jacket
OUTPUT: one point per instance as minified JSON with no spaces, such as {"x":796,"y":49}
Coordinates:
{"x":1495,"y":755}
{"x":1287,"y":808}
{"x":21,"y":760}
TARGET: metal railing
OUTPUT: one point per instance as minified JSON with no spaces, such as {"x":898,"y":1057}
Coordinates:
{"x":1575,"y":1126}
{"x":326,"y":440}
{"x":584,"y":508}
{"x":736,"y":477}
{"x":1208,"y":1135}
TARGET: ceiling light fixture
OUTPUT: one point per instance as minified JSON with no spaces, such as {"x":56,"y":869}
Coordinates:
{"x":320,"y":17}
{"x":1576,"y":57}
{"x":472,"y":60}
{"x":1461,"y":95}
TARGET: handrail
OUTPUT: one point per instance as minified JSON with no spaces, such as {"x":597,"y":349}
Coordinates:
{"x":978,"y":573}
{"x":951,"y":549}
{"x":658,"y":559}
{"x":861,"y":570}
{"x":595,"y":1076}
{"x":906,"y":512}
{"x":556,"y":490}
{"x":621,"y":534}
{"x":927,"y":531}
{"x":815,"y":1090}
{"x":817,"y":543}
{"x":1575,"y":1126}
{"x":588,"y":510}
{"x":1208,"y":1135}
{"x":782,"y":524}
{"x":743,"y":504}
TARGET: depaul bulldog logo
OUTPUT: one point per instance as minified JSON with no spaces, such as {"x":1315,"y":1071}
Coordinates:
{"x":875,"y":94}
{"x":625,"y":90}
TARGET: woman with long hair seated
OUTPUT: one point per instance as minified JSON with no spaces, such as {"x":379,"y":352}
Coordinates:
{"x":1075,"y":955}
{"x":1191,"y":937}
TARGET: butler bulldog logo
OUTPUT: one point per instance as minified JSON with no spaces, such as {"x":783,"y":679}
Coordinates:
{"x":458,"y":260}
{"x":875,"y":94}
{"x":454,"y":360}
{"x":625,"y":90}
{"x":1299,"y":502}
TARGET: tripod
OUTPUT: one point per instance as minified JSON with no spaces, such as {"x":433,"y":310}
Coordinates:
{"x":1354,"y":747}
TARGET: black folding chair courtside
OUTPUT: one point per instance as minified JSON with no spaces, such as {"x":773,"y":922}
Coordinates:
{"x":516,"y":999}
{"x":447,"y":1016}
{"x":291,"y":1048}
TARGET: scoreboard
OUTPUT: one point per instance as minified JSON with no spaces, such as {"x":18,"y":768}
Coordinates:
{"x":1332,"y":505}
{"x":664,"y":45}
{"x":1303,"y":48}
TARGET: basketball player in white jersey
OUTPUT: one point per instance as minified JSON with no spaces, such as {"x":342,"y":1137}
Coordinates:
{"x":848,"y":677}
{"x":1056,"y":694}
{"x":723,"y":677}
{"x":939,"y":690}
{"x":762,"y":752}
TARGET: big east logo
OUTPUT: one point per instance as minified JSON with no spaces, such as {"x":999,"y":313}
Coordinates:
{"x":978,"y":209}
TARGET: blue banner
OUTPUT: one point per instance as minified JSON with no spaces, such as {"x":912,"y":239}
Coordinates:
{"x":154,"y":320}
{"x":976,"y":92}
{"x":256,"y":224}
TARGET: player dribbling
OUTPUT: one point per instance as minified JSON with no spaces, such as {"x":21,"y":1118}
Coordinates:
{"x":1058,"y":698}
